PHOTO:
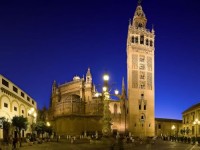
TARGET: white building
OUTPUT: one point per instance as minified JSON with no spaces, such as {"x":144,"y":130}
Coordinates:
{"x":15,"y":102}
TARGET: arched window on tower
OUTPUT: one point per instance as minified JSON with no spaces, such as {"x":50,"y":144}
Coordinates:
{"x":136,"y":39}
{"x":142,"y":39}
{"x":140,"y":25}
{"x":115,"y":109}
{"x":151,"y":43}
{"x":147,"y":42}
{"x":132,"y":39}
{"x":142,"y":118}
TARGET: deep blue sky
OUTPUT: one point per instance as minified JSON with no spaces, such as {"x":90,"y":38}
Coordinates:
{"x":43,"y":41}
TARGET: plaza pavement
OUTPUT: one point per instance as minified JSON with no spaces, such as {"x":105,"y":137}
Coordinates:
{"x":80,"y":145}
{"x":66,"y":145}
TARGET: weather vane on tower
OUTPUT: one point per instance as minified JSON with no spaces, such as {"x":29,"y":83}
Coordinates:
{"x":139,"y":2}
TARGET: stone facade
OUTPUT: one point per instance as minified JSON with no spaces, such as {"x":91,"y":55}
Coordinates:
{"x":167,"y":127}
{"x":140,"y":72}
{"x":15,"y":102}
{"x":191,"y":121}
{"x":76,"y":109}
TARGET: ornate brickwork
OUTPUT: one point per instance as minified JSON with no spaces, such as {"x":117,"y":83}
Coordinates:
{"x":135,"y":61}
{"x":149,"y":81}
{"x":149,"y":63}
{"x":135,"y":79}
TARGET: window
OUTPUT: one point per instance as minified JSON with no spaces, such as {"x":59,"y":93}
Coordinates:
{"x":140,"y":25}
{"x":151,"y":43}
{"x":140,"y":107}
{"x":33,"y":102}
{"x":142,"y":39}
{"x":22,"y":94}
{"x":28,"y":98}
{"x":147,"y":42}
{"x":22,"y":111}
{"x":149,"y":125}
{"x":132,"y":39}
{"x":15,"y":89}
{"x":159,"y":126}
{"x":142,"y":117}
{"x":142,"y":96}
{"x":4,"y":82}
{"x":144,"y":107}
{"x":136,"y":40}
{"x":15,"y":108}
{"x":6,"y":105}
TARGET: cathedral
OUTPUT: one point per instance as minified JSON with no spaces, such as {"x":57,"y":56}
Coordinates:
{"x":76,"y":107}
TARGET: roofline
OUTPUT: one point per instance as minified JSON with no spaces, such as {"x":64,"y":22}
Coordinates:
{"x":169,"y":120}
{"x":191,"y":108}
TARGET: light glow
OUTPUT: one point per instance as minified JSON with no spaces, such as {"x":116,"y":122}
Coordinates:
{"x":106,"y":77}
{"x":116,"y":92}
{"x":104,"y":88}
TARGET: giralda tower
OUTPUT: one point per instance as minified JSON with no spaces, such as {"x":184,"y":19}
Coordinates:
{"x":140,"y":72}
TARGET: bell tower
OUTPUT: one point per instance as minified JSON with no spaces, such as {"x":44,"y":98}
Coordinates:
{"x":88,"y":86}
{"x":140,"y":75}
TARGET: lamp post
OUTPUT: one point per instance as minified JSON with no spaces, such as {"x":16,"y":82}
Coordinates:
{"x":106,"y":130}
{"x":196,"y":123}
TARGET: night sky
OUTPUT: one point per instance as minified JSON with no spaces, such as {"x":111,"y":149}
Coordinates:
{"x":42,"y":41}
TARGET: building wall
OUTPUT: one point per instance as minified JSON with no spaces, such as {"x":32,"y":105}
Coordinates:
{"x":164,"y":127}
{"x":76,"y":125}
{"x":191,"y":121}
{"x":14,"y":102}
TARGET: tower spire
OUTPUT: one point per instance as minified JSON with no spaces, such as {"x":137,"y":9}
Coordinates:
{"x":139,"y":19}
{"x":123,"y":89}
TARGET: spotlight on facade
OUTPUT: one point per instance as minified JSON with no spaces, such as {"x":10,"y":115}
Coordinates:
{"x":173,"y":127}
{"x":96,"y":94}
{"x":35,"y":114}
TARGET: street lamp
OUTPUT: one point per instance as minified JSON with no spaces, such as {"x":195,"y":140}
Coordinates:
{"x":196,"y":122}
{"x":106,"y":130}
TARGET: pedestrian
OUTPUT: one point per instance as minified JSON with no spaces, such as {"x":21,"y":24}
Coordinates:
{"x":14,"y":143}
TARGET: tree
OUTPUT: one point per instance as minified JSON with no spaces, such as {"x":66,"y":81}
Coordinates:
{"x":40,"y":127}
{"x":19,"y":122}
{"x":6,"y":128}
{"x":49,"y":130}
